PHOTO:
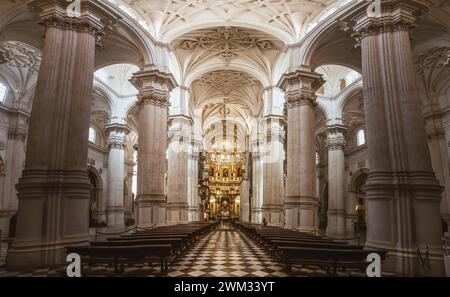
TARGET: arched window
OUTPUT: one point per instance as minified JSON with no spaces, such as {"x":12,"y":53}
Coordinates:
{"x":360,"y":138}
{"x":92,"y":135}
{"x":3,"y":92}
{"x":317,"y":158}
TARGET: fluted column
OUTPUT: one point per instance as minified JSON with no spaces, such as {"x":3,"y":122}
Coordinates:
{"x":54,"y":188}
{"x":273,"y":188}
{"x":178,"y":169}
{"x":257,"y":189}
{"x":336,"y":181}
{"x":154,"y":92}
{"x":245,"y":202}
{"x":403,"y":195}
{"x":194,"y":211}
{"x":14,"y":161}
{"x":116,"y":174}
{"x":301,"y":203}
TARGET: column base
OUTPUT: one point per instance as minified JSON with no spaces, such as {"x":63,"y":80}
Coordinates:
{"x":257,"y":216}
{"x":151,"y":210}
{"x":301,"y":213}
{"x":177,"y":213}
{"x":403,"y":218}
{"x":53,"y":213}
{"x":407,"y":262}
{"x":115,"y":216}
{"x":336,"y":223}
{"x":274,"y":214}
{"x":194,"y":214}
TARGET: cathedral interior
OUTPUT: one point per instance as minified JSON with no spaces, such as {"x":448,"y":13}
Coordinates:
{"x":225,"y":137}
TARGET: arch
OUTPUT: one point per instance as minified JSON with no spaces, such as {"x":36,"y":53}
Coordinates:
{"x":96,"y":198}
{"x":315,"y":38}
{"x":357,"y":178}
{"x":193,"y":75}
{"x":285,"y":37}
{"x":349,"y":94}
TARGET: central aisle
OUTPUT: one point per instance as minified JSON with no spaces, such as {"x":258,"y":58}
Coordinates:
{"x":226,"y":252}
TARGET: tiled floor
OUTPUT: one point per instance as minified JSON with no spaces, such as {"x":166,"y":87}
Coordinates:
{"x":227,"y":252}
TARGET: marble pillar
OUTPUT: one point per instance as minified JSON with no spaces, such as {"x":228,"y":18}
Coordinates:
{"x":301,"y":203}
{"x":178,"y":169}
{"x":54,"y":189}
{"x":336,"y":221}
{"x":116,"y":174}
{"x":154,"y":92}
{"x":273,"y":188}
{"x":402,"y":192}
{"x":14,"y":161}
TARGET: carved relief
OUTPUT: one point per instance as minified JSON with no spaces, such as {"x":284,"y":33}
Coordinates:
{"x":227,"y":42}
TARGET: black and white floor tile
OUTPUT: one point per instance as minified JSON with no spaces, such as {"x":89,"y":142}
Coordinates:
{"x":225,"y":252}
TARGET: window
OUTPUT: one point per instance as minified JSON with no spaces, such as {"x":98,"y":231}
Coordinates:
{"x":360,"y":138}
{"x":3,"y":92}
{"x":317,"y":158}
{"x":92,"y":135}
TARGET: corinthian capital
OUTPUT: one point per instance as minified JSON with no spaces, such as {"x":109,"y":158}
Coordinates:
{"x":300,"y":86}
{"x":117,"y":134}
{"x":392,"y":15}
{"x":154,"y":86}
{"x":91,"y":16}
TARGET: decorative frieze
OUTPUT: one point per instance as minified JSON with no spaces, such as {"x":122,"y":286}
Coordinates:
{"x":117,"y":135}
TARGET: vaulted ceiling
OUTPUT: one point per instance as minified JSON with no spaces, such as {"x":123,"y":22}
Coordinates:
{"x":288,"y":19}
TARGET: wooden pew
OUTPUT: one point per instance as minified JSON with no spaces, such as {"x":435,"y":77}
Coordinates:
{"x":124,"y":254}
{"x":329,"y":258}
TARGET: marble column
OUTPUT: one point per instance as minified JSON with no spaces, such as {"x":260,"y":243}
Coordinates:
{"x":194,"y":211}
{"x":117,"y":133}
{"x":14,"y":161}
{"x":336,"y":225}
{"x":402,"y":192}
{"x":178,"y":169}
{"x":257,"y":189}
{"x":154,"y":92}
{"x":301,"y":203}
{"x":273,"y":188}
{"x":54,"y":188}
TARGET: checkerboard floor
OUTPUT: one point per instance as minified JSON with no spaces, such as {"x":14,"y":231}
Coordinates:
{"x":225,"y":252}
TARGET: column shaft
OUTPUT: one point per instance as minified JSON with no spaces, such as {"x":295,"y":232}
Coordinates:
{"x":403,"y":195}
{"x":301,"y":203}
{"x":154,"y":88}
{"x":54,"y":189}
{"x":336,"y":225}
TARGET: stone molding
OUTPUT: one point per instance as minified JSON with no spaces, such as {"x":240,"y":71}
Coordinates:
{"x":154,"y":86}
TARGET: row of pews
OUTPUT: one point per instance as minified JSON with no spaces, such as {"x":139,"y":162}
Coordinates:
{"x":306,"y":249}
{"x":160,"y":245}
